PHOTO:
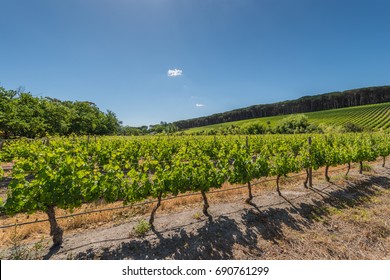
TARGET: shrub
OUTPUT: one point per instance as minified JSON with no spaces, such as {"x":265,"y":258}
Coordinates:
{"x":141,"y":228}
{"x":352,"y":127}
{"x":296,"y":124}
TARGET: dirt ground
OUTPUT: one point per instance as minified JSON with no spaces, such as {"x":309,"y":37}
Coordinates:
{"x":341,"y":219}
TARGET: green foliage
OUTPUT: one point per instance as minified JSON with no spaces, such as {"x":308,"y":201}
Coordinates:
{"x":62,"y":177}
{"x":232,"y":129}
{"x":67,"y":172}
{"x":163,"y":127}
{"x":253,"y":128}
{"x":210,"y":132}
{"x":294,"y":124}
{"x":366,"y":167}
{"x":197,"y":216}
{"x":22,"y":114}
{"x":317,"y":103}
{"x":374,"y":117}
{"x":245,"y":165}
{"x":128,"y":130}
{"x":352,"y":127}
{"x":141,"y":228}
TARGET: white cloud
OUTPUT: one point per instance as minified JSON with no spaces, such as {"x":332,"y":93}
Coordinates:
{"x":175,"y":72}
{"x":199,"y":105}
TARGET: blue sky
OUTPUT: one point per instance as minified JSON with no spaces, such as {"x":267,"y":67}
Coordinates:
{"x":223,"y":54}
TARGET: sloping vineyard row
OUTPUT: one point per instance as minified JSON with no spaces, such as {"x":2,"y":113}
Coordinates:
{"x":65,"y":173}
{"x":373,"y":116}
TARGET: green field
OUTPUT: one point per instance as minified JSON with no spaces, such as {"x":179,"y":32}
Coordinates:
{"x":375,"y":116}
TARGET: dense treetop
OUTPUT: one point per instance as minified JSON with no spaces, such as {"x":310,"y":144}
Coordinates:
{"x":22,"y":114}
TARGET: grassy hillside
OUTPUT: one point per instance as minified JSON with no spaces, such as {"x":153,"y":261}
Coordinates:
{"x":305,"y":104}
{"x":374,"y":116}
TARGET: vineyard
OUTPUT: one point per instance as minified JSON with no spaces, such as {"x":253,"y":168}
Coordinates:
{"x":375,"y":116}
{"x":65,"y":173}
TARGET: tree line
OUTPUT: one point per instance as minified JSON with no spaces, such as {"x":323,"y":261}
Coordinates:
{"x":327,"y":101}
{"x":24,"y":115}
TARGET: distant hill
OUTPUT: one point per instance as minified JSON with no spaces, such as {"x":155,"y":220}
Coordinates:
{"x":327,"y":101}
{"x":374,"y":116}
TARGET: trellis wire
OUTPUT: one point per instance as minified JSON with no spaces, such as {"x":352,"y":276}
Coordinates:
{"x":148,"y":202}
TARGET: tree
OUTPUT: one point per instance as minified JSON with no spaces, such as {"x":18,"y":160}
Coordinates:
{"x":22,"y":114}
{"x":57,"y":116}
{"x":292,"y":124}
{"x":352,"y":127}
{"x":28,"y":119}
{"x":253,"y":128}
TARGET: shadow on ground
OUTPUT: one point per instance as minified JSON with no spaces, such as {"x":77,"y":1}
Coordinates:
{"x":217,"y":238}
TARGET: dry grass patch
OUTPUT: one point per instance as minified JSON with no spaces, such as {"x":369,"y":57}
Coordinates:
{"x":359,"y":232}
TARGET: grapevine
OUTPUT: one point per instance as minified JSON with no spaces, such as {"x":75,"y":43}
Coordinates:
{"x":64,"y":173}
